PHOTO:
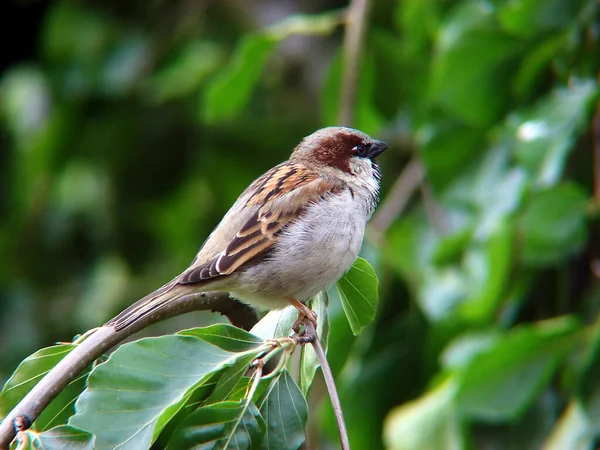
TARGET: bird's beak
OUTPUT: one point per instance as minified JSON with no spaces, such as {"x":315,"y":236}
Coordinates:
{"x":377,"y":148}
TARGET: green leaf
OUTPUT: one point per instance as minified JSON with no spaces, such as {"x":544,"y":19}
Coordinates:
{"x":442,"y":291}
{"x":501,"y":382}
{"x":463,"y":349}
{"x":488,"y":190}
{"x":358,"y":292}
{"x":57,"y":438}
{"x":29,"y":373}
{"x":86,"y":42}
{"x":195,"y":61}
{"x":145,"y":383}
{"x":429,"y":422}
{"x":531,"y":17}
{"x":487,"y":267}
{"x":225,"y":425}
{"x":285,"y":412}
{"x":472,"y":61}
{"x":276,"y":324}
{"x":229,"y":92}
{"x":225,"y":336}
{"x":553,"y":225}
{"x":545,"y":134}
{"x":309,"y":363}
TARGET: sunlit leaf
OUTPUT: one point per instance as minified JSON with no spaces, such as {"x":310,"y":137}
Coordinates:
{"x":141,"y":381}
{"x":429,"y":422}
{"x":463,"y":349}
{"x":307,"y":24}
{"x":545,"y":134}
{"x":225,"y":336}
{"x":229,"y":92}
{"x":442,"y":291}
{"x":275,"y":324}
{"x":358,"y":291}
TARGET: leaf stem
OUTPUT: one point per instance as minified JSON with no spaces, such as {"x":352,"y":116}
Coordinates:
{"x":330,"y":383}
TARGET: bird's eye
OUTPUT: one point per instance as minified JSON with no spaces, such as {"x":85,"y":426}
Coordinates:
{"x":360,"y":150}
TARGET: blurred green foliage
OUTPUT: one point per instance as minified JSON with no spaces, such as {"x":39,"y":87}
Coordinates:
{"x":132,"y":127}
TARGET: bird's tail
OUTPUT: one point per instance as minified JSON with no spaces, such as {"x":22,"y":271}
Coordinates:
{"x":148,"y":305}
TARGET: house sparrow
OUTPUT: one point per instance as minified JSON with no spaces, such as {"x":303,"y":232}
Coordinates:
{"x":292,"y":233}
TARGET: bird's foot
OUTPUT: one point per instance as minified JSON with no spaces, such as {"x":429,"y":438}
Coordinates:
{"x":304,"y":312}
{"x":303,"y":338}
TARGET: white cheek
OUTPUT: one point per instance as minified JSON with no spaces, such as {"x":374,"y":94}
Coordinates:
{"x":361,"y":166}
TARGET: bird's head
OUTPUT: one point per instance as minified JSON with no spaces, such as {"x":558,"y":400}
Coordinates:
{"x":339,"y":147}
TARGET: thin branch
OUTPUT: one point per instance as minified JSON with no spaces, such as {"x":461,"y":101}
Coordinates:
{"x":353,"y":40}
{"x":396,"y":200}
{"x":329,"y":382}
{"x":103,"y":339}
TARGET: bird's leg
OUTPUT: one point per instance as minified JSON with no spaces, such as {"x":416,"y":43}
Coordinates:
{"x":304,"y":312}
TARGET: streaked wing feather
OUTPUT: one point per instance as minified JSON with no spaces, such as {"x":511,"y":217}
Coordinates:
{"x":261,"y":231}
{"x":293,"y":183}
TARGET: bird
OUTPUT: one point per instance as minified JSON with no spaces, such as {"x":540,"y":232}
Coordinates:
{"x":292,"y":233}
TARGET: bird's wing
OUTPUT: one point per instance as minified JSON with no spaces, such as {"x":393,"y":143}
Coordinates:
{"x":273,"y":201}
{"x":248,"y":230}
